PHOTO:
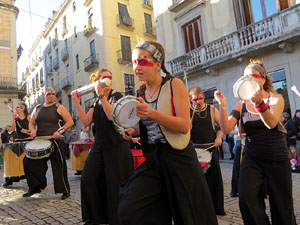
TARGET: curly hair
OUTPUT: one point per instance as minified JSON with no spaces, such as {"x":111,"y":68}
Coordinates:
{"x":268,"y":85}
{"x":163,"y":64}
{"x":96,"y":76}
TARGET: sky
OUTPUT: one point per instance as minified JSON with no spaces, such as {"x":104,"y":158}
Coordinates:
{"x":29,"y":26}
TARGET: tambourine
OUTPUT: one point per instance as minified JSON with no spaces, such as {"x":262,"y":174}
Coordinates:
{"x":245,"y":87}
{"x":124,"y":112}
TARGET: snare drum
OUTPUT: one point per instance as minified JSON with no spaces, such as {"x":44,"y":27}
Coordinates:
{"x":204,"y":159}
{"x":245,"y":87}
{"x":124,"y":112}
{"x":39,"y":149}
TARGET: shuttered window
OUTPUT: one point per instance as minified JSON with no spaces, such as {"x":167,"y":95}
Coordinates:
{"x":124,"y":15}
{"x":126,"y":48}
{"x":192,"y":33}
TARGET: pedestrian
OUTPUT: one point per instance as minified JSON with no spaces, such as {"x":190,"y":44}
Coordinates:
{"x":205,"y":133}
{"x":291,"y":129}
{"x":69,"y":136}
{"x":265,"y":156}
{"x":170,"y":184}
{"x":49,"y":119}
{"x":8,"y":131}
{"x":109,"y":162}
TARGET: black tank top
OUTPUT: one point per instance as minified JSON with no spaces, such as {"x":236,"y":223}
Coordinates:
{"x":47,"y":119}
{"x":262,"y":142}
{"x":20,"y":124}
{"x":202,"y":131}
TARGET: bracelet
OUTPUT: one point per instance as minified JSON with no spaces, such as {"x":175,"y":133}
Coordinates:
{"x":261,"y":107}
{"x":61,"y":130}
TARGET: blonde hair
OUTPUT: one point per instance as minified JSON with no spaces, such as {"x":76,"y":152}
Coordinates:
{"x":96,"y":76}
{"x":268,"y":85}
{"x":195,"y":90}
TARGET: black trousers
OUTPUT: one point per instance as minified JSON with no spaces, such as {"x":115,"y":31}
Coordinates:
{"x":36,"y":169}
{"x":277,"y":175}
{"x":215,"y":183}
{"x":236,"y":168}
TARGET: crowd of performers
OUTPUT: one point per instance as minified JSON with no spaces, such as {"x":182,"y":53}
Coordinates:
{"x":175,"y":127}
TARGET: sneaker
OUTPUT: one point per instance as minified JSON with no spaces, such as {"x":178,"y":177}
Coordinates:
{"x":31,"y":192}
{"x":7,"y":183}
{"x":65,"y":196}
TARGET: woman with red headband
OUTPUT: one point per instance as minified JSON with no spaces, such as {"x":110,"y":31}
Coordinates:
{"x":265,"y":156}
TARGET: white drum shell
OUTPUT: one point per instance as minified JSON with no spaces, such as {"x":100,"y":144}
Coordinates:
{"x":205,"y":156}
{"x":245,"y":87}
{"x":124,"y":112}
{"x":38,"y":149}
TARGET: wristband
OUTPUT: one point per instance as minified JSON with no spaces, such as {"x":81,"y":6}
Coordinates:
{"x":262,"y":107}
{"x":61,"y":130}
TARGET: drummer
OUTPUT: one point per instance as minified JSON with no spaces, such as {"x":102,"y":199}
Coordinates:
{"x":20,"y":123}
{"x":204,"y":134}
{"x":109,"y":162}
{"x":50,"y":119}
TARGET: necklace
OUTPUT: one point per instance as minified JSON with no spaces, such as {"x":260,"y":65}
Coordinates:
{"x":199,"y":111}
{"x":150,"y":96}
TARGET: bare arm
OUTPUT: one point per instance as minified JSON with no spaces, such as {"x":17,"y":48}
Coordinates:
{"x":66,"y":116}
{"x":218,"y":140}
{"x":32,"y":124}
{"x":180,"y":122}
{"x":13,"y":124}
{"x":107,"y":107}
{"x":86,"y":119}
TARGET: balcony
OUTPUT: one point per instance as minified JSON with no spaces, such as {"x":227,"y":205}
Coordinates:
{"x":49,"y":70}
{"x":91,"y":62}
{"x":88,"y":30}
{"x":149,"y":30}
{"x":147,"y":4}
{"x":124,"y":57}
{"x":125,"y":22}
{"x":180,"y":4}
{"x":271,"y":33}
{"x":54,"y":42}
{"x":64,"y":54}
{"x":9,"y":85}
{"x":66,"y":83}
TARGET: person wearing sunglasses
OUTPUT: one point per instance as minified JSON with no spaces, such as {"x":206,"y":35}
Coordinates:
{"x":49,"y":119}
{"x":205,"y":133}
{"x":109,"y":162}
{"x":265,"y":155}
{"x":169,"y":187}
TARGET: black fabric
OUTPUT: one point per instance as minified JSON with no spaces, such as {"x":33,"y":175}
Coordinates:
{"x":36,"y":169}
{"x":167,"y":185}
{"x":47,"y":120}
{"x":106,"y":135}
{"x":236,"y":168}
{"x":262,"y":142}
{"x":22,"y":124}
{"x":291,"y":132}
{"x":236,"y":114}
{"x":16,"y":147}
{"x":253,"y":173}
{"x":202,"y":131}
{"x":5,"y":135}
{"x":108,"y":164}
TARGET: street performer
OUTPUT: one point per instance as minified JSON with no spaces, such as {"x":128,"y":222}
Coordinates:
{"x":205,"y":119}
{"x":46,"y":121}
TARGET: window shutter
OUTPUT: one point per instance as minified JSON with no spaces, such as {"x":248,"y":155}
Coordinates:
{"x":283,"y":4}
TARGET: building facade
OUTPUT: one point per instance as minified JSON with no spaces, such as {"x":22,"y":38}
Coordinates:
{"x":9,"y":90}
{"x":81,"y":37}
{"x":209,"y":42}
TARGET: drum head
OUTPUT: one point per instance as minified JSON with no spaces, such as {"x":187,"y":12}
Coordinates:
{"x":203,"y":156}
{"x":124,"y":112}
{"x":38,"y":144}
{"x":245,"y":87}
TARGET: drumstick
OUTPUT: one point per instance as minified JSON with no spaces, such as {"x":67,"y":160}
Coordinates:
{"x":5,"y":102}
{"x":294,"y":89}
{"x":204,"y":150}
{"x":48,"y":137}
{"x":193,"y":114}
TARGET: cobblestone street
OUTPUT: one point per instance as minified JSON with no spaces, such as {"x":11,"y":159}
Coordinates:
{"x":47,"y":208}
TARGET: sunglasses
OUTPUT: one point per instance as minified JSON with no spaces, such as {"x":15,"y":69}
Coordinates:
{"x":108,"y":77}
{"x":142,"y":62}
{"x":48,"y":94}
{"x":257,"y":76}
{"x":18,"y":107}
{"x":197,"y":99}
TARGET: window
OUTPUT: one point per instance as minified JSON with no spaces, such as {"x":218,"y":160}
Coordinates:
{"x":55,"y":34}
{"x":77,"y":62}
{"x":74,"y":6}
{"x":33,"y":83}
{"x":56,"y":54}
{"x":64,"y":24}
{"x":280,"y":85}
{"x":124,"y":15}
{"x":41,"y":76}
{"x":251,"y":11}
{"x":66,"y":45}
{"x":126,"y":48}
{"x":68,"y":71}
{"x":148,"y":22}
{"x":129,"y":84}
{"x":192,"y":33}
{"x":75,"y":32}
{"x":37,"y":79}
{"x":93,"y":49}
{"x":51,"y":63}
